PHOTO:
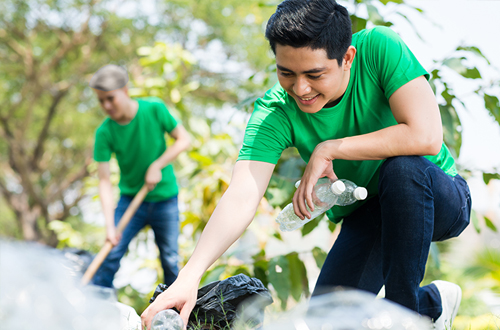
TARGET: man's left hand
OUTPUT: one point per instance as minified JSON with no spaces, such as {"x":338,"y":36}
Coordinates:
{"x":153,"y":176}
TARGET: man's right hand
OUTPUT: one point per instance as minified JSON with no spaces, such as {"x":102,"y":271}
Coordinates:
{"x":112,"y":237}
{"x":182,"y":294}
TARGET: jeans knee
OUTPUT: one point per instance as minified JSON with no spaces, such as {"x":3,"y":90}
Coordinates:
{"x":402,"y":171}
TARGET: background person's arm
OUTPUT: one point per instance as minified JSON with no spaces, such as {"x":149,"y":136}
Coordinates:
{"x":182,"y":142}
{"x":419,"y":132}
{"x":107,"y":203}
{"x":229,"y":220}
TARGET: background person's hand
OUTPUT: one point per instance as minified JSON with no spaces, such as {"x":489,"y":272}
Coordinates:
{"x":112,"y":236}
{"x":182,"y":294}
{"x":153,"y":176}
{"x":319,"y":165}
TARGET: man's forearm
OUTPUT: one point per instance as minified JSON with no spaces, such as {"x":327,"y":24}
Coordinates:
{"x":106,"y":196}
{"x":171,"y":153}
{"x":231,"y":217}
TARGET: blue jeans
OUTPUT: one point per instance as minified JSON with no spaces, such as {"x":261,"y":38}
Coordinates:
{"x":163,"y":217}
{"x":386,"y":241}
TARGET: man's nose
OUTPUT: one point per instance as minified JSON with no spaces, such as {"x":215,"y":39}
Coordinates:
{"x":301,"y":86}
{"x":107,"y":105}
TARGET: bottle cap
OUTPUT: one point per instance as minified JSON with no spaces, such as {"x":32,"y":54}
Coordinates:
{"x":338,"y":187}
{"x":360,"y":193}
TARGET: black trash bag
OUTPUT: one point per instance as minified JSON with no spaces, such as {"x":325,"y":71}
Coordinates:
{"x":218,"y":302}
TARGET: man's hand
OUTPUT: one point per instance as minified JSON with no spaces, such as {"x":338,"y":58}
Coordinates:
{"x":111,"y":235}
{"x":319,"y":165}
{"x":181,"y":294}
{"x":153,"y":176}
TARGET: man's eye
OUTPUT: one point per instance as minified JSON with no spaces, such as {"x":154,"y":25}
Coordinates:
{"x":315,"y":77}
{"x":285,"y":74}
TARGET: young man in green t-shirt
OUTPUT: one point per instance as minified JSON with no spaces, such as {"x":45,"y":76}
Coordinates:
{"x":135,"y":132}
{"x":357,"y":107}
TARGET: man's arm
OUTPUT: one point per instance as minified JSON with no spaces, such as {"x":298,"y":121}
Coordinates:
{"x":182,"y":142}
{"x":230,"y":218}
{"x":106,"y":196}
{"x":418,"y":132}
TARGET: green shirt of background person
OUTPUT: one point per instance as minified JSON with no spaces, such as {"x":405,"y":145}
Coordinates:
{"x":357,"y":107}
{"x":135,"y":133}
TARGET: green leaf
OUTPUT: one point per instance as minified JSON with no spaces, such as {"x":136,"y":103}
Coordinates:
{"x":450,"y":120}
{"x":490,"y":224}
{"x":331,"y":226}
{"x":434,"y":251}
{"x":385,"y":2}
{"x":374,"y":16}
{"x":493,"y":105}
{"x":358,"y":23}
{"x":475,"y":221}
{"x":279,"y":277}
{"x":319,"y":256}
{"x":261,"y":274}
{"x":298,"y":276}
{"x":213,"y":275}
{"x":472,"y":73}
{"x":456,"y":64}
{"x":475,"y":50}
{"x":309,"y":227}
{"x":490,"y":176}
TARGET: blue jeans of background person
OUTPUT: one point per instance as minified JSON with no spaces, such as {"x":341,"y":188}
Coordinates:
{"x":163,"y":217}
{"x":386,"y":241}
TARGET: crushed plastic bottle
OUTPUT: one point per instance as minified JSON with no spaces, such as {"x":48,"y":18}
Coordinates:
{"x":326,"y":194}
{"x":38,"y":290}
{"x":351,"y":194}
{"x":167,"y":319}
{"x":349,"y":309}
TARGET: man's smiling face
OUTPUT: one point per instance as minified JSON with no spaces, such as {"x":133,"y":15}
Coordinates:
{"x":310,"y":77}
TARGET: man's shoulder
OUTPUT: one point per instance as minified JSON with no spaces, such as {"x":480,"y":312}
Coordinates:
{"x":275,"y":97}
{"x":104,"y":126}
{"x":374,"y":35}
{"x":150,"y":101}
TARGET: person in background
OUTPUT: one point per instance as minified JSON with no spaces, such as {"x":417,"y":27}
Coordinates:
{"x":357,"y":107}
{"x":135,"y":133}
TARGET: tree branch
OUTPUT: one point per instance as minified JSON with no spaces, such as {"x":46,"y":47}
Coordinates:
{"x":65,"y":184}
{"x":39,"y":149}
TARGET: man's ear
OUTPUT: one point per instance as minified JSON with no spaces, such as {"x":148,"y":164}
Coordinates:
{"x":349,"y":57}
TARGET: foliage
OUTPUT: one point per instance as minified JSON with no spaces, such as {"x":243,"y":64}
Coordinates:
{"x":47,"y":50}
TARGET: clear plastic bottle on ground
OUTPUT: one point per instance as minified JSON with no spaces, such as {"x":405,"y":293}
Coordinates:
{"x":167,"y":319}
{"x":326,"y":196}
{"x":351,"y":194}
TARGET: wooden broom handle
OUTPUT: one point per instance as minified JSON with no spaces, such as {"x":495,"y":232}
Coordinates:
{"x":103,"y":253}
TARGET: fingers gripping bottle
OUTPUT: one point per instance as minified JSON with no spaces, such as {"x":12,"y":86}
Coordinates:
{"x":324,"y":197}
{"x":351,"y":194}
{"x":167,"y":319}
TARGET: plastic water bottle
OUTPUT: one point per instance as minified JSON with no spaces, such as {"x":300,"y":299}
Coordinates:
{"x":326,"y":196}
{"x":351,"y":194}
{"x":167,"y":319}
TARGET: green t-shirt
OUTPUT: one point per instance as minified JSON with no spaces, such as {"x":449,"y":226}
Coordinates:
{"x":138,"y":144}
{"x":382,"y":64}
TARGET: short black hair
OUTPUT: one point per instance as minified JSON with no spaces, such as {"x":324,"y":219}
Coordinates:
{"x":109,"y":77}
{"x":317,"y":24}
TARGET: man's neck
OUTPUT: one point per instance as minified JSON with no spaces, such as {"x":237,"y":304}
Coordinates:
{"x":130,"y":112}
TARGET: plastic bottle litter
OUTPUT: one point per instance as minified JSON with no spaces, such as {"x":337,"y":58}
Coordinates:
{"x":167,"y":319}
{"x":351,"y":194}
{"x":326,"y":195}
{"x":38,"y":290}
{"x":349,"y":309}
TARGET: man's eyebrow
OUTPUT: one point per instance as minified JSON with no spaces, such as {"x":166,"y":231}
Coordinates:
{"x":316,"y":70}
